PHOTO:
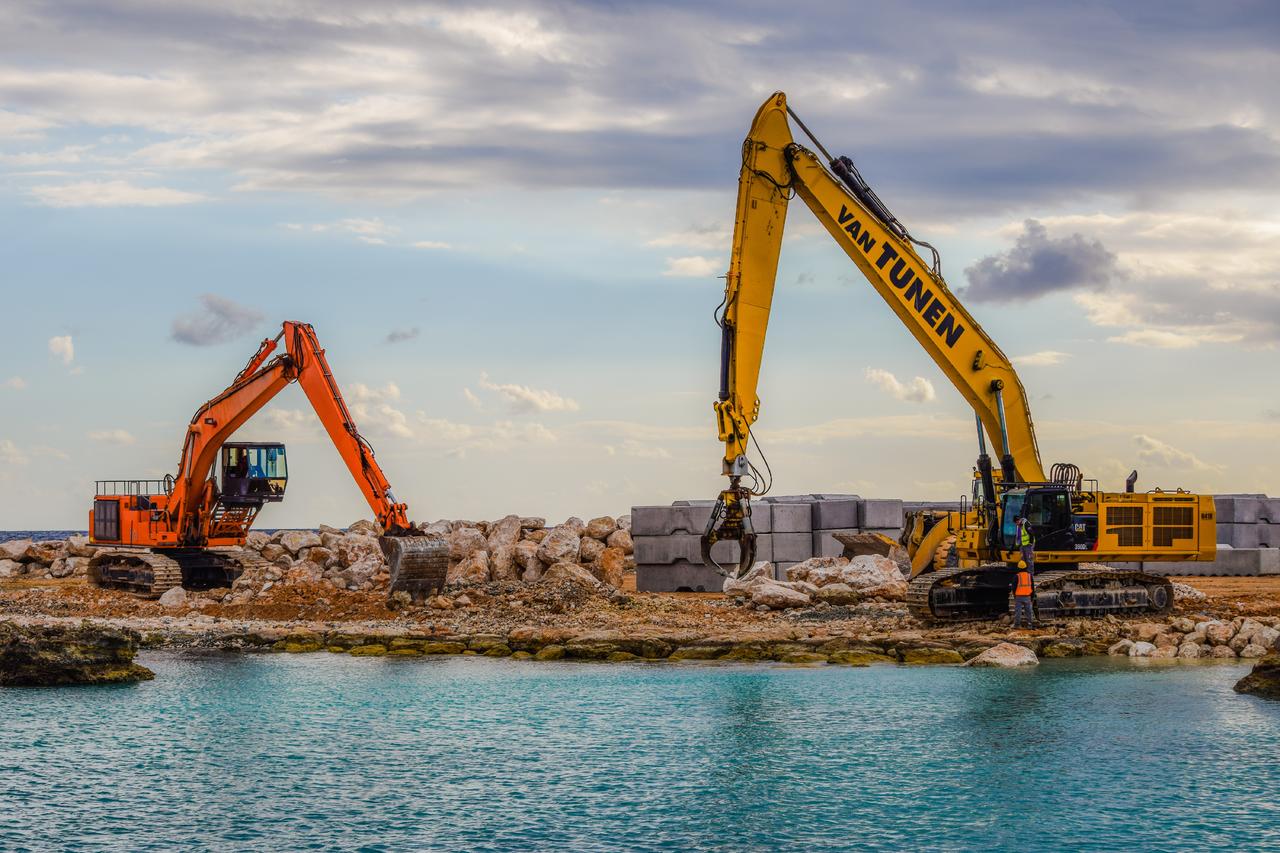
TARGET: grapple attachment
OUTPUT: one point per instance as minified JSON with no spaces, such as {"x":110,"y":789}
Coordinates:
{"x":731,"y":522}
{"x":418,"y":563}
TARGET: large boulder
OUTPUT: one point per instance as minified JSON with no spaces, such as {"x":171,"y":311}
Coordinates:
{"x":1005,"y":655}
{"x":472,"y":569}
{"x":296,"y":540}
{"x":273,"y":551}
{"x":502,"y":562}
{"x":44,"y":553}
{"x":775,"y":596}
{"x":355,"y":547}
{"x":611,"y":566}
{"x":14,"y":549}
{"x":561,"y":544}
{"x":10,"y":568}
{"x":464,"y":542}
{"x":63,"y":567}
{"x":590,"y":550}
{"x":505,"y":532}
{"x":526,"y":557}
{"x":363,"y":573}
{"x":1264,"y":680}
{"x":837,"y":594}
{"x":174,"y":599}
{"x":600,"y":528}
{"x":1189,"y":650}
{"x":577,"y":525}
{"x":873,"y":575}
{"x":1219,"y":633}
{"x":818,"y":571}
{"x":78,"y":546}
{"x":56,"y":655}
{"x":437,"y":528}
{"x":621,"y":539}
{"x":364,"y":527}
{"x":1141,"y":650}
{"x":759,"y":573}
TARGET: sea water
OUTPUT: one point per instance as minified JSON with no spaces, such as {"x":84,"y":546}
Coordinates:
{"x":329,"y":752}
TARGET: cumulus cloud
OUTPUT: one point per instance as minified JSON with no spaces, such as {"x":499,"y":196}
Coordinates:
{"x":918,"y":390}
{"x":693,"y":266}
{"x":1044,"y":358}
{"x":522,"y":398}
{"x":218,"y":321}
{"x":1156,"y":452}
{"x":17,"y":383}
{"x":62,"y":347}
{"x":374,"y":414}
{"x":1038,"y":265}
{"x":110,"y":194}
{"x":396,"y":336}
{"x":431,"y":244}
{"x":113,"y":436}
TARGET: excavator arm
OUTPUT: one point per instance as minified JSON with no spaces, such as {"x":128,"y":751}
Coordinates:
{"x":774,"y":168}
{"x":412,"y":557}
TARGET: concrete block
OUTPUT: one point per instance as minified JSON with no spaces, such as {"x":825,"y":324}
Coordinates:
{"x":833,"y":496}
{"x":1257,"y":535}
{"x":780,"y":569}
{"x":825,"y":544}
{"x":792,"y":547}
{"x":880,"y":514}
{"x":788,"y":499}
{"x":1247,"y":509}
{"x":678,"y":577}
{"x":669,"y":520}
{"x":790,"y":518}
{"x":836,"y":513}
{"x":686,"y":547}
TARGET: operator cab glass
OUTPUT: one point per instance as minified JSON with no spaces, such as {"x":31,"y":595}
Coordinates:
{"x":253,"y":473}
{"x":1048,"y":510}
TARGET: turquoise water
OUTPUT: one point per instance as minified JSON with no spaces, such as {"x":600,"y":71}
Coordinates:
{"x":324,"y":752}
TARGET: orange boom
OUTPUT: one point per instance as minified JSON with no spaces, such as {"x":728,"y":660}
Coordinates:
{"x":190,"y":529}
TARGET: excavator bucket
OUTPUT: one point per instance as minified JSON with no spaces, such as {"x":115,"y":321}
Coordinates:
{"x":730,"y":522}
{"x":418,"y":564}
{"x":858,"y":544}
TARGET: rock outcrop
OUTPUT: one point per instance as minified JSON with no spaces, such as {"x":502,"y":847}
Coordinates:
{"x":1005,"y":655}
{"x":35,"y":656}
{"x":1264,"y":680}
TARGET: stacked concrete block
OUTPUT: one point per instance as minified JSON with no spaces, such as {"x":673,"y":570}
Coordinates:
{"x":1248,"y":521}
{"x":1229,"y":562}
{"x":668,"y":546}
{"x":792,"y":532}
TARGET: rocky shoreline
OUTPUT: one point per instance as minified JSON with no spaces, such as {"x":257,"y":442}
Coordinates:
{"x":521,"y":589}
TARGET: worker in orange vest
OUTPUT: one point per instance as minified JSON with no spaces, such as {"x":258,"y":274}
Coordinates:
{"x":1022,"y":592}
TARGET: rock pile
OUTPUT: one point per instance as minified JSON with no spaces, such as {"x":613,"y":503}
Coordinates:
{"x":51,"y":559}
{"x":511,"y":549}
{"x":1186,"y":637}
{"x":830,"y":580}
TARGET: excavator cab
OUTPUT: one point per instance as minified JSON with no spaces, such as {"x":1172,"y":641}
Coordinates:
{"x":253,"y":473}
{"x":1047,"y":508}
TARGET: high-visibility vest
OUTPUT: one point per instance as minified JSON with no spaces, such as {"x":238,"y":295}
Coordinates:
{"x":1024,"y":584}
{"x":1027,"y":538}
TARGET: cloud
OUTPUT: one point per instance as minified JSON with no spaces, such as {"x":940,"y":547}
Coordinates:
{"x":1156,"y":452}
{"x":113,"y":436}
{"x":1038,"y":265}
{"x":918,"y":390}
{"x":703,"y":237}
{"x":522,"y":398}
{"x":1156,"y":338}
{"x":62,"y":347}
{"x":110,"y":194}
{"x":396,"y":336}
{"x":374,"y":414}
{"x":470,"y":397}
{"x":362,"y":393}
{"x":219,"y":321}
{"x":693,"y":266}
{"x":17,"y":383}
{"x":431,"y":244}
{"x":638,"y":450}
{"x":1043,"y":358}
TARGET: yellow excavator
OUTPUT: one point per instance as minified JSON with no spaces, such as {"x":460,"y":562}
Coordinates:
{"x":962,"y":561}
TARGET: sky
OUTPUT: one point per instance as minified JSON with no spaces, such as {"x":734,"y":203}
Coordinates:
{"x":508,"y":224}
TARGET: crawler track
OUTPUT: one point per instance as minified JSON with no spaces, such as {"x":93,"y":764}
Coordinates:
{"x":150,"y":573}
{"x":960,"y":594}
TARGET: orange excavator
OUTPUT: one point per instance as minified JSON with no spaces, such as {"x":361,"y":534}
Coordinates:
{"x":190,"y":529}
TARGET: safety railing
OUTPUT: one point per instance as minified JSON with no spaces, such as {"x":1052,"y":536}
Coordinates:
{"x":131,"y":487}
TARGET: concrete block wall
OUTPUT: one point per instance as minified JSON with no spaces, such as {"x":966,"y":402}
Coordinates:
{"x":790,"y":529}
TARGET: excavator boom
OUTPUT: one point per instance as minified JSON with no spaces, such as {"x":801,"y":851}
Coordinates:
{"x":1085,"y":524}
{"x":194,"y":514}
